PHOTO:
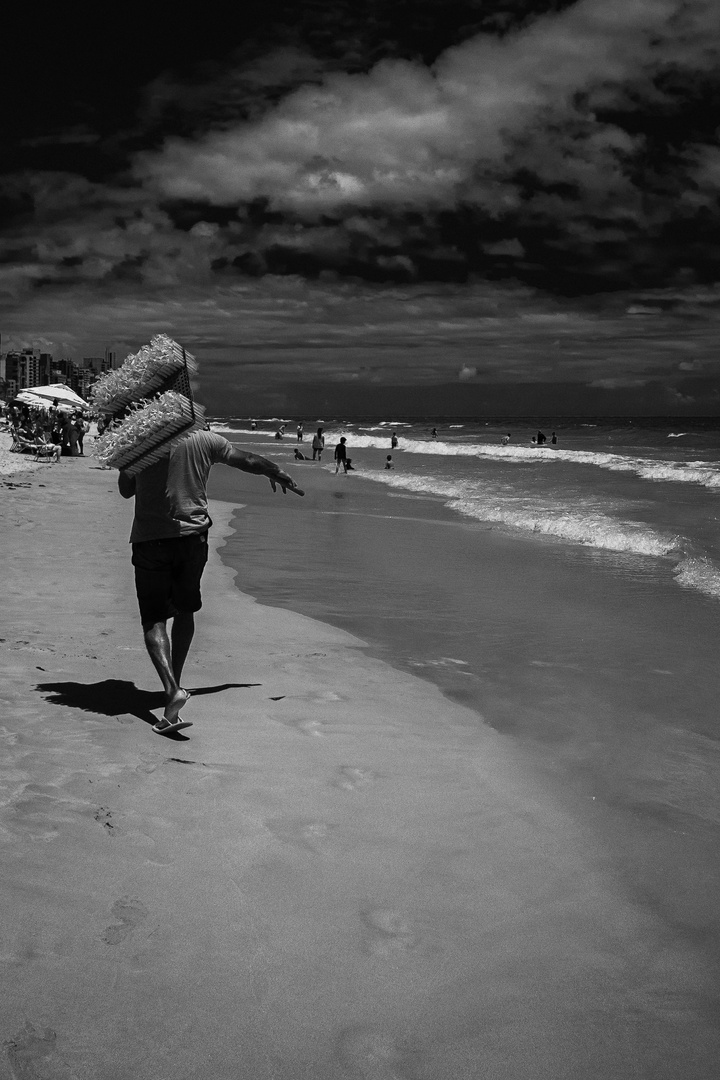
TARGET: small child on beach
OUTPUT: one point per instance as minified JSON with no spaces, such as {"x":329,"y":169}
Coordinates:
{"x":388,"y":462}
{"x":341,"y":457}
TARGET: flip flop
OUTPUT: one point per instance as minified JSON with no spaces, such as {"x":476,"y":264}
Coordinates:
{"x":164,"y":728}
{"x":172,"y":723}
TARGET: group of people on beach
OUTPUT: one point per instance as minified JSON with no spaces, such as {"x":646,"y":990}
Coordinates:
{"x":318,"y":445}
{"x":52,"y":431}
{"x":537,"y":440}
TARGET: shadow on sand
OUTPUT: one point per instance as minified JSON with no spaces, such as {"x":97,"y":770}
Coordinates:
{"x":115,"y":697}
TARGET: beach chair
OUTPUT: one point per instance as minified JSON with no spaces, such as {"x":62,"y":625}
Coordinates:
{"x":44,"y":451}
{"x":40,"y":449}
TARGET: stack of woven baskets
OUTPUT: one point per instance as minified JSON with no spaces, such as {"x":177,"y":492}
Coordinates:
{"x":148,"y":406}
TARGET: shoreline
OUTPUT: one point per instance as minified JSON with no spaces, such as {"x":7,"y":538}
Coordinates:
{"x":332,"y":877}
{"x":605,"y":707}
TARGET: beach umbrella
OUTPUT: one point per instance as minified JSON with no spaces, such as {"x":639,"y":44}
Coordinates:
{"x":25,"y":397}
{"x":64,"y":395}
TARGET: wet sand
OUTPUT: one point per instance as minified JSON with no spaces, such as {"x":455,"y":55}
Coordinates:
{"x":335,"y":875}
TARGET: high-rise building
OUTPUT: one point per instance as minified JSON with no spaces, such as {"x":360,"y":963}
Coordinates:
{"x":61,"y":371}
{"x":26,"y":368}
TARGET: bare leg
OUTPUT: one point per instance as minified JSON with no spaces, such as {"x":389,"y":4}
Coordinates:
{"x":183,"y":630}
{"x":157,"y":644}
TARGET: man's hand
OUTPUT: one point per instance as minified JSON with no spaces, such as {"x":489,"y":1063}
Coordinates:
{"x":262,"y":466}
{"x":286,"y":483}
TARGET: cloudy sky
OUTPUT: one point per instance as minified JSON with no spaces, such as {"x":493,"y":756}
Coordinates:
{"x":417,"y":206}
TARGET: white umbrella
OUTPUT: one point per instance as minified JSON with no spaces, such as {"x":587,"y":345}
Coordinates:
{"x":64,"y":395}
{"x":43,"y":403}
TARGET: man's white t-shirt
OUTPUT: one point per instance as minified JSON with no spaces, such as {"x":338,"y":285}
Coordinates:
{"x":171,"y":494}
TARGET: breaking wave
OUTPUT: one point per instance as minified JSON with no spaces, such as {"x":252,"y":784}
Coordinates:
{"x":585,"y":525}
{"x":577,"y":523}
{"x":689,"y":472}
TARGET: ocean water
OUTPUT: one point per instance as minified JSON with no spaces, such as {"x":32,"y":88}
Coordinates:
{"x":604,"y":484}
{"x":569,"y":594}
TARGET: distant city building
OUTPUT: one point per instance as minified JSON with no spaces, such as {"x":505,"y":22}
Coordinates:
{"x":23,"y":369}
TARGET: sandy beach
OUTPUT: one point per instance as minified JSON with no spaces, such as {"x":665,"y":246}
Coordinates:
{"x":15,"y":463}
{"x":333,"y":875}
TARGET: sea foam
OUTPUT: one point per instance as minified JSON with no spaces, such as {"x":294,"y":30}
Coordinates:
{"x":576,"y":523}
{"x":688,"y":472}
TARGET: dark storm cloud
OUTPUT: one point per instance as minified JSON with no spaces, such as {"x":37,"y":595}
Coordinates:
{"x":365,"y":195}
{"x":572,"y":147}
{"x":544,"y":140}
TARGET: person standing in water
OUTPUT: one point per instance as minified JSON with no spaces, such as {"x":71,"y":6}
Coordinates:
{"x":318,"y":444}
{"x":341,"y":457}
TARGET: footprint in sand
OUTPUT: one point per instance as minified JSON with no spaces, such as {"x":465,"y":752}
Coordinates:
{"x":304,"y":725}
{"x":373,"y":1054}
{"x":130,"y":913}
{"x":103,"y":816}
{"x":311,"y":727}
{"x":350,"y":779}
{"x":301,"y":833}
{"x":385,"y":931}
{"x":147,"y":767}
{"x":32,"y":1055}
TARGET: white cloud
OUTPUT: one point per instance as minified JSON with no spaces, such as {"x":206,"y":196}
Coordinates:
{"x":406,"y":134}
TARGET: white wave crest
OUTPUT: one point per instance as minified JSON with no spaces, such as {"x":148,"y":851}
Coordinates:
{"x":583,"y":526}
{"x":692,"y":472}
{"x":699,"y":573}
{"x":223,"y":429}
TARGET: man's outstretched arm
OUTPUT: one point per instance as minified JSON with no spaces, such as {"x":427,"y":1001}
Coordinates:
{"x":262,"y":466}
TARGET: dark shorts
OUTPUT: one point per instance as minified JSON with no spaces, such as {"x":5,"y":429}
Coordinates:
{"x":167,"y":575}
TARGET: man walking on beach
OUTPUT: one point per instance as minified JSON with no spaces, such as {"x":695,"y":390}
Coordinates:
{"x":169,"y":544}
